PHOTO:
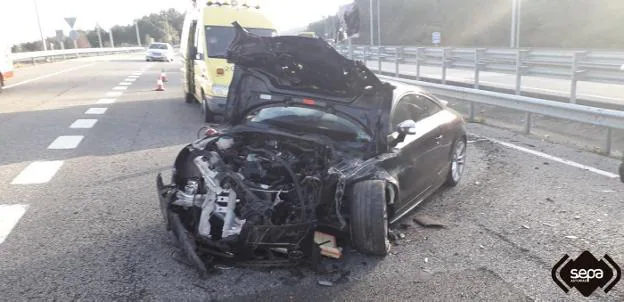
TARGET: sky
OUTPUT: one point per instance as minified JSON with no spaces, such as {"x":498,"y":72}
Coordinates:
{"x":19,"y":22}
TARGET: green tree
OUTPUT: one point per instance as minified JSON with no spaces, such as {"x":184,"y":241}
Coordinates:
{"x":165,"y":26}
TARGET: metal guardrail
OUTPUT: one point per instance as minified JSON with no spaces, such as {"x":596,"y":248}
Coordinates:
{"x":592,"y":66}
{"x":52,"y":55}
{"x":610,"y":119}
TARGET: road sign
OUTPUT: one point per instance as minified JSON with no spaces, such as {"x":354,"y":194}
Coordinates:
{"x":436,"y":38}
{"x":71,"y":21}
{"x":60,"y":36}
{"x":74,"y":35}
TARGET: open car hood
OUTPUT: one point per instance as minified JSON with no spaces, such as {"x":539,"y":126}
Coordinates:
{"x":301,"y":71}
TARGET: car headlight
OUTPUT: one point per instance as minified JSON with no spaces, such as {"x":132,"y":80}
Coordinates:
{"x":220,"y":90}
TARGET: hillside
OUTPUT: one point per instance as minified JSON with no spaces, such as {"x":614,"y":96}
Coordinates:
{"x":544,"y":23}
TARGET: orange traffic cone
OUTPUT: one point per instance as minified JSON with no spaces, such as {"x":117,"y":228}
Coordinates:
{"x":160,"y":86}
{"x":163,"y":76}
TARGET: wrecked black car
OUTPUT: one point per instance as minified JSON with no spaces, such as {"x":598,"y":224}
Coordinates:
{"x":311,"y":140}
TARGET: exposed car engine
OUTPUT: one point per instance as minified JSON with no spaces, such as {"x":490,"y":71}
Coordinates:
{"x":245,"y":190}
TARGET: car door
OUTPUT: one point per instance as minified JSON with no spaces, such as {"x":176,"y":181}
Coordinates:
{"x":438,"y":121}
{"x":415,"y":151}
{"x":199,"y":62}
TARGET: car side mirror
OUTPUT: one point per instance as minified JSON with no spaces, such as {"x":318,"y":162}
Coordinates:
{"x":406,"y":127}
{"x":402,"y":130}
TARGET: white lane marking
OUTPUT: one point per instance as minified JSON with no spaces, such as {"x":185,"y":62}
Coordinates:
{"x":66,"y":142}
{"x":10,"y":214}
{"x":124,"y":83}
{"x":556,"y":159}
{"x":133,"y":76}
{"x":38,"y":172}
{"x":130,"y":79}
{"x":120,"y":87}
{"x":96,"y":110}
{"x":114,"y":93}
{"x":105,"y":101}
{"x":137,"y":73}
{"x":83,"y":123}
{"x":48,"y":75}
{"x":477,"y":141}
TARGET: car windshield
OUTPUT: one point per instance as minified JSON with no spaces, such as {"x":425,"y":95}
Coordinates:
{"x":309,"y":120}
{"x":158,"y":46}
{"x":218,"y":38}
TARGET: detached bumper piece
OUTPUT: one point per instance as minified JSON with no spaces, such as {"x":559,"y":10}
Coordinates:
{"x":173,"y":222}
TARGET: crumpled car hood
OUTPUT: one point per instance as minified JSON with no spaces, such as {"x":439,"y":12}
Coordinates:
{"x":298,"y":68}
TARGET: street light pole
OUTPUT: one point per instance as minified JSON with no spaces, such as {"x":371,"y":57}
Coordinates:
{"x":515,"y":24}
{"x":137,"y":33}
{"x":43,"y":42}
{"x":372,"y":27}
{"x":378,"y":23}
{"x":99,"y":35}
{"x":518,"y":19}
{"x":111,"y":38}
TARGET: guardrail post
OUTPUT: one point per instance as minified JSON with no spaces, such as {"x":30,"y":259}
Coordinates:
{"x":366,"y":51}
{"x":607,"y":145}
{"x":379,"y":59}
{"x":577,"y":57}
{"x":419,"y":52}
{"x":444,"y":56}
{"x":519,"y":70}
{"x":477,"y":67}
{"x":397,"y":61}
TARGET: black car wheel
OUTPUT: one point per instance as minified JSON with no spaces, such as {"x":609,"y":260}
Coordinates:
{"x":208,"y":115}
{"x":369,"y":217}
{"x":458,"y":162}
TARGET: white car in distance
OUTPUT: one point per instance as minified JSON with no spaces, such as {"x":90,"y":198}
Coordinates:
{"x":160,"y":52}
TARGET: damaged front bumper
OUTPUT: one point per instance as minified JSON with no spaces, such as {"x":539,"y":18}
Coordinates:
{"x":263,"y":245}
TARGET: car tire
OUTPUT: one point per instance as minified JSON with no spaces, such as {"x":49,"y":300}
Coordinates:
{"x":147,"y":60}
{"x":369,"y":217}
{"x":208,"y":115}
{"x":458,"y":162}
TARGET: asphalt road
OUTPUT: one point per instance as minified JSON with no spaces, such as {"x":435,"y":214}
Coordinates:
{"x":85,"y":224}
{"x":610,"y":94}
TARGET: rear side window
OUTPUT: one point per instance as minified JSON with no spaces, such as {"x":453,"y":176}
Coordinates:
{"x":414,"y":107}
{"x":430,"y":105}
